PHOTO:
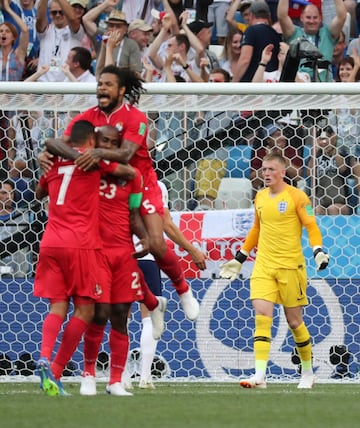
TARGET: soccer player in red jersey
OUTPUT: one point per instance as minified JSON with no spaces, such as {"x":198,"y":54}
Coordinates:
{"x":67,"y":266}
{"x":116,"y":85}
{"x":121,"y":277}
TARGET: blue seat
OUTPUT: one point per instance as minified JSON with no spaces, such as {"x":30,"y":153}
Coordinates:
{"x":238,"y":162}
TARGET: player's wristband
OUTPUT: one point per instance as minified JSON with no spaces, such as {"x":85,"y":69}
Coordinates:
{"x":262,"y":64}
{"x":240,"y":257}
{"x":185,"y":67}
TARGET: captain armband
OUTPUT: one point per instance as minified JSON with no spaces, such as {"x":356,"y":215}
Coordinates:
{"x":135,"y":200}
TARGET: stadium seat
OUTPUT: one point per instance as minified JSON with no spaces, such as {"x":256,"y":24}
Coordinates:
{"x":234,"y":193}
{"x":217,"y":49}
{"x":238,"y":162}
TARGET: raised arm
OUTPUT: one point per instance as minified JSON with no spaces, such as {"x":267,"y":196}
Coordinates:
{"x":285,"y":21}
{"x":41,"y":18}
{"x":230,"y":16}
{"x":91,"y":15}
{"x":24,"y":34}
{"x":339,"y":19}
{"x":73,"y":22}
{"x":154,"y":47}
{"x":265,"y":58}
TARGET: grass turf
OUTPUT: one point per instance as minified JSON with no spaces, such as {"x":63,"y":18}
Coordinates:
{"x":183,"y":405}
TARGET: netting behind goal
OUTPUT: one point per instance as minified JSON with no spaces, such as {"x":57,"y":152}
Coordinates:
{"x":207,"y":142}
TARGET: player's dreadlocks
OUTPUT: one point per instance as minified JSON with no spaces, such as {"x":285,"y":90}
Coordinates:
{"x":128,"y":78}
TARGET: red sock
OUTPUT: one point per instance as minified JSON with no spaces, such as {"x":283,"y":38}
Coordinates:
{"x":70,"y":340}
{"x":92,"y":340}
{"x":170,"y":264}
{"x":50,"y":331}
{"x":149,"y":300}
{"x":119,"y":346}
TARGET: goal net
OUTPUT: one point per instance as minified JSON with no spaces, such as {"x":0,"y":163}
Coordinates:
{"x":207,"y":142}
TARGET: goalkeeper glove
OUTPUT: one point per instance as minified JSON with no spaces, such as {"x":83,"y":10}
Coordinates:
{"x":321,"y":259}
{"x":230,"y":270}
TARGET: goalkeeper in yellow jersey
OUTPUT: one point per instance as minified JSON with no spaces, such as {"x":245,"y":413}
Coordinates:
{"x":279,"y":274}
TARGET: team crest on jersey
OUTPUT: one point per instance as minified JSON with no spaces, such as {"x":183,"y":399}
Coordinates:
{"x":98,"y":290}
{"x":119,"y":126}
{"x":282,"y":207}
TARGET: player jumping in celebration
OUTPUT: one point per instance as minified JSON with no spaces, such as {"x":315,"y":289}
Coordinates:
{"x":279,"y":274}
{"x":114,"y":86}
{"x":69,"y":249}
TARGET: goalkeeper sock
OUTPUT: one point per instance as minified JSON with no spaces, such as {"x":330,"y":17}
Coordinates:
{"x":72,"y":335}
{"x":262,"y":343}
{"x":50,"y":331}
{"x":93,"y":337}
{"x":147,"y":349}
{"x":119,"y":347}
{"x":303,"y":345}
{"x":170,"y":264}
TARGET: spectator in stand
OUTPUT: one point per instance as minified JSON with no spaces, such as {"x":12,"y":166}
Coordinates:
{"x":202,"y":30}
{"x":256,"y":37}
{"x":244,"y":7}
{"x":165,"y":45}
{"x":141,"y":32}
{"x":80,"y":8}
{"x":216,"y":13}
{"x":94,"y":21}
{"x":116,"y":48}
{"x":262,"y":75}
{"x":12,"y":67}
{"x":28,"y":13}
{"x":16,"y":264}
{"x":77,"y":68}
{"x":339,"y":53}
{"x":346,"y":121}
{"x":272,"y":140}
{"x":296,"y":7}
{"x":140,"y":9}
{"x":329,"y":171}
{"x":322,"y":36}
{"x":56,"y":37}
{"x":199,"y":6}
{"x":232,"y":50}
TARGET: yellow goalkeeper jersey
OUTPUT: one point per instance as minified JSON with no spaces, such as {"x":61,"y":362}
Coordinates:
{"x":277,"y":228}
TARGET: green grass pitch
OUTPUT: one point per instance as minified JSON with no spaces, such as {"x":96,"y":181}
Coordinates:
{"x":183,"y":405}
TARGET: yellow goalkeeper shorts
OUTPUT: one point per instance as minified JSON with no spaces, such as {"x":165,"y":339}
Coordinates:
{"x":286,"y":287}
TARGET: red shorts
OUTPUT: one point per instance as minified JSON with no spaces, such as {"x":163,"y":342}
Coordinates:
{"x":62,"y":273}
{"x":152,"y":202}
{"x":119,"y":276}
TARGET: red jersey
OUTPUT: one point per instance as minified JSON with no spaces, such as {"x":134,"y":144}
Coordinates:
{"x":133,"y":126}
{"x":114,"y":209}
{"x":74,"y":205}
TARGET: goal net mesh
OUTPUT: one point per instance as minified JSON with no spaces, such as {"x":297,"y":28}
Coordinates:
{"x":207,"y":149}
